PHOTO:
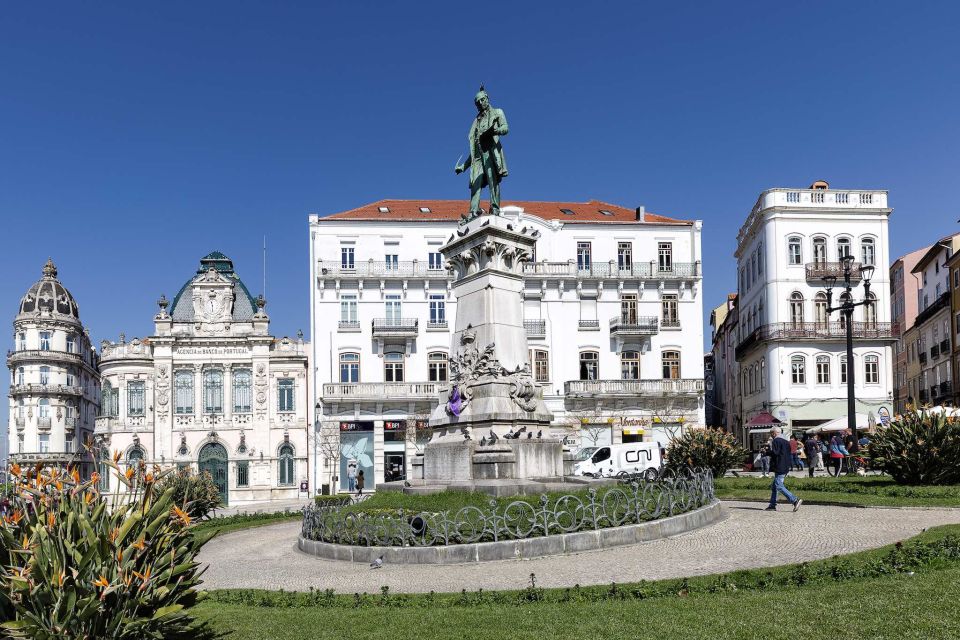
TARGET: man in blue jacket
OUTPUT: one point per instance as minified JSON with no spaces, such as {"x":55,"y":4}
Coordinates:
{"x":780,"y":463}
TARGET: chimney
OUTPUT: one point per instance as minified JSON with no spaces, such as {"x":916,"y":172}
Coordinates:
{"x":641,"y":213}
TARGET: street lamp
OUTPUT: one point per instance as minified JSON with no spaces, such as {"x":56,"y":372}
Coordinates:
{"x":846,"y":307}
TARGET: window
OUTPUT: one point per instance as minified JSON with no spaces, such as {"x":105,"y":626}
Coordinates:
{"x":183,"y":389}
{"x":135,"y":458}
{"x":665,"y":256}
{"x":625,"y":256}
{"x":628,"y":309}
{"x":44,"y":443}
{"x":583,"y":256}
{"x":285,"y":395}
{"x":760,"y":260}
{"x":45,"y":341}
{"x":630,"y":365}
{"x":71,"y":344}
{"x":671,"y":365}
{"x":68,"y":445}
{"x":393,"y":367}
{"x":589,"y":365}
{"x":21,"y":374}
{"x":347,"y":258}
{"x":243,"y":473}
{"x":843,"y":369}
{"x":796,"y":308}
{"x":135,"y":398}
{"x":242,"y":391}
{"x":435,"y":261}
{"x":763,"y":374}
{"x":794,"y":252}
{"x":871,"y":370}
{"x":285,"y":462}
{"x":348,"y":309}
{"x":843,"y":248}
{"x":349,"y":367}
{"x":820,"y":250}
{"x":108,"y":400}
{"x":71,"y":380}
{"x":823,"y":369}
{"x":541,"y":365}
{"x":798,"y":369}
{"x":44,"y":375}
{"x":438,"y":309}
{"x":391,"y":262}
{"x":668,"y":304}
{"x":392,"y":307}
{"x":820,"y":309}
{"x":844,"y":298}
{"x":868,"y":252}
{"x":21,"y":341}
{"x":213,"y":391}
{"x":939,"y":290}
{"x":870,"y":311}
{"x":437,"y":364}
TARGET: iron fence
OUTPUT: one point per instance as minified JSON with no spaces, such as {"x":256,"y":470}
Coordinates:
{"x":629,"y":503}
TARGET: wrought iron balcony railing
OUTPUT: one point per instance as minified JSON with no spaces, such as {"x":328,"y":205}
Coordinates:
{"x":633,"y":388}
{"x":395,"y":326}
{"x":945,"y":346}
{"x":613,"y":269}
{"x":437,"y":324}
{"x":383,"y":269}
{"x":70,"y":390}
{"x":380,"y":391}
{"x":348,"y":325}
{"x":634,"y":325}
{"x":535,"y":328}
{"x":820,"y":270}
{"x":590,"y":325}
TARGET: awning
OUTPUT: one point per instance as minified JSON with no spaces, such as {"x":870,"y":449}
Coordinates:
{"x":763,"y":419}
{"x":840,"y":424}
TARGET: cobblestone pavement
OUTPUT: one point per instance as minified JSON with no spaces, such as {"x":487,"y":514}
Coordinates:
{"x":267,"y":557}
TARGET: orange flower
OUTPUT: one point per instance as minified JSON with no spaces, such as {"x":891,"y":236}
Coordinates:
{"x":148,"y":477}
{"x":116,"y":456}
{"x":16,"y":516}
{"x":114,"y":534}
{"x":129,"y":473}
{"x":181,"y":515}
{"x":51,"y":519}
{"x":76,"y":476}
{"x":120,"y":556}
{"x":15,"y":470}
{"x":140,"y":544}
{"x":62,"y":577}
{"x":101,"y":582}
{"x":145,"y":577}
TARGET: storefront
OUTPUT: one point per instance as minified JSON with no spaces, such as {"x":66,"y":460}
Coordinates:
{"x":356,"y":455}
{"x":633,"y":429}
{"x":394,"y":450}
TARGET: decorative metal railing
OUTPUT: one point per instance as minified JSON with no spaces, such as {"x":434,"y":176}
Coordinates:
{"x":535,"y":328}
{"x":634,"y":503}
{"x":612,"y":269}
{"x":634,"y":325}
{"x":379,"y":390}
{"x":382,"y":269}
{"x":633,"y":388}
{"x":821,"y":270}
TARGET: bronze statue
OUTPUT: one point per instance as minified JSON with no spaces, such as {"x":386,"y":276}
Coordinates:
{"x":486,"y":161}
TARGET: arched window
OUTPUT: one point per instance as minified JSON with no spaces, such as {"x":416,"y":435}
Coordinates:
{"x":796,"y":308}
{"x":763,"y":374}
{"x":751,"y":380}
{"x":843,"y":369}
{"x":820,"y":250}
{"x":44,"y":406}
{"x":589,"y":365}
{"x":44,"y":375}
{"x":21,"y":375}
{"x":285,"y":463}
{"x":843,"y":248}
{"x":820,"y":309}
{"x":870,"y":312}
{"x":794,"y":250}
{"x":671,"y":365}
{"x":630,"y":365}
{"x":437,"y":365}
{"x":134,"y":457}
{"x":844,"y":298}
{"x":393,"y":367}
{"x":109,"y":402}
{"x":868,"y":252}
{"x":823,"y":369}
{"x":183,"y":390}
{"x":242,"y":391}
{"x":798,"y":370}
{"x":871,"y":369}
{"x":213,"y":391}
{"x":349,"y":367}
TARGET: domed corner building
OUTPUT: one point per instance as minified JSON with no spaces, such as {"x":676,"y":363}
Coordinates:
{"x":211,"y":390}
{"x":55,"y":379}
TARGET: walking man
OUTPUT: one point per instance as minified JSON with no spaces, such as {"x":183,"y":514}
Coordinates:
{"x":812,"y":449}
{"x":780,"y":463}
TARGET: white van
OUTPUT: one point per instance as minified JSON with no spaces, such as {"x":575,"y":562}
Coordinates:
{"x":616,"y":459}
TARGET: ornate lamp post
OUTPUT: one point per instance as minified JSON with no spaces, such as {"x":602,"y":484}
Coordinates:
{"x":846,"y":307}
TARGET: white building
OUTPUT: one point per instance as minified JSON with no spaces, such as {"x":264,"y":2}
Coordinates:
{"x":791,"y":353}
{"x":612,"y":305}
{"x":55,"y":388}
{"x":211,"y":390}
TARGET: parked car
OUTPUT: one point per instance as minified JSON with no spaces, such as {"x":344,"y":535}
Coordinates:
{"x":618,"y":459}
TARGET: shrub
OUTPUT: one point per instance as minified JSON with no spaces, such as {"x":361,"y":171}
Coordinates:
{"x":918,"y":448}
{"x":82,"y":568}
{"x":195,"y":493}
{"x":707,"y":448}
{"x":331,"y":501}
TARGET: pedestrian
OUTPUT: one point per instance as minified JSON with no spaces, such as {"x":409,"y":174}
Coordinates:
{"x":822,"y":450}
{"x":765,"y":460}
{"x":836,"y":454}
{"x":360,"y":483}
{"x":780,"y":460}
{"x":797,"y":463}
{"x":352,"y":476}
{"x":812,"y":448}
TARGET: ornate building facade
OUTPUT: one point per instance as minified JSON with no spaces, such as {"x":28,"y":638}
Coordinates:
{"x":211,"y":390}
{"x":55,"y":390}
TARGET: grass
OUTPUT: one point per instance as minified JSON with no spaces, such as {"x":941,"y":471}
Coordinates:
{"x":865,"y":595}
{"x":865,"y":491}
{"x":236,"y":522}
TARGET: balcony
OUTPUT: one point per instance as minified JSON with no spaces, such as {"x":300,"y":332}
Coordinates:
{"x":636,"y":270}
{"x":34,"y":389}
{"x":634,"y":326}
{"x":789,"y":331}
{"x":43,"y":355}
{"x":589,"y":325}
{"x":535,"y":328}
{"x":348,"y":325}
{"x":380,"y":391}
{"x":944,"y":347}
{"x":438,"y":325}
{"x":945,"y":387}
{"x":381,"y":269}
{"x":70,"y":423}
{"x":922,"y":357}
{"x":632,"y":388}
{"x":943,"y":302}
{"x":395,"y":327}
{"x":817,"y":272}
{"x":935,"y":352}
{"x":20,"y":422}
{"x":43,"y":422}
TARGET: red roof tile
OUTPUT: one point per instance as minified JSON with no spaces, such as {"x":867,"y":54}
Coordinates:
{"x":449,"y":210}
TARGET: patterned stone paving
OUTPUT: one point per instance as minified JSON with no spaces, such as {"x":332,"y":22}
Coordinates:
{"x":267,"y":557}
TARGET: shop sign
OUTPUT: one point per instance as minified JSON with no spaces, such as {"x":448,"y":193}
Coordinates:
{"x":356,"y":426}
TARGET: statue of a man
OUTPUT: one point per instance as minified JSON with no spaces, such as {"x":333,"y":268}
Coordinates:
{"x":486,"y":161}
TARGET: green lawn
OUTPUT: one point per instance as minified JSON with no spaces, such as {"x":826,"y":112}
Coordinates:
{"x":244,"y":521}
{"x":867,"y":491}
{"x":884,"y":593}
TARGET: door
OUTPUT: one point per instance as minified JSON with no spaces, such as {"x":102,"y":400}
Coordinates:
{"x":213,"y":460}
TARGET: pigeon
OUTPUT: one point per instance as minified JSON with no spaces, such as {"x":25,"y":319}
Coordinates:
{"x":521,"y":430}
{"x":493,"y":437}
{"x":510,"y":435}
{"x":406,"y":483}
{"x":529,"y":434}
{"x":377,"y":564}
{"x":483,"y":441}
{"x":539,"y":434}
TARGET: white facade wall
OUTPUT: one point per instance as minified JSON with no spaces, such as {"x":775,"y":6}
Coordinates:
{"x":568,"y":311}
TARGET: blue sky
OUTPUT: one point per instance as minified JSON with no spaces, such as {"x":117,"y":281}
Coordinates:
{"x":135,"y":137}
